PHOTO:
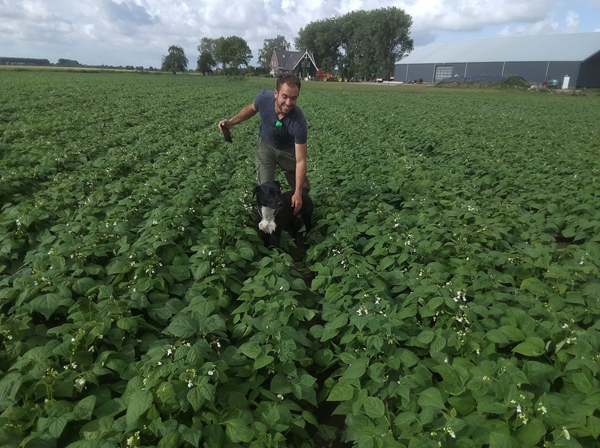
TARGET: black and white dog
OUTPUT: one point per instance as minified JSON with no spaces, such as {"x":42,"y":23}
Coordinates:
{"x":275,"y":213}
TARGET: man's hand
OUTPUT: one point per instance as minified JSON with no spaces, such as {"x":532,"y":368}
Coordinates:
{"x":297,"y":202}
{"x":225,"y":124}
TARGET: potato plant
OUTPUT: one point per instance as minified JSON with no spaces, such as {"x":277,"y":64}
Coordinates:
{"x":449,"y":297}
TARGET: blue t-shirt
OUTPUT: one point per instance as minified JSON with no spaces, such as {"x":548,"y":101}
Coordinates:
{"x":293,"y":126}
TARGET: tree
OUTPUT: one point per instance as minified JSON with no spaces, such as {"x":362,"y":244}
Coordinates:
{"x":232,"y":52}
{"x":269,"y":46}
{"x":365,"y":42}
{"x":68,"y":63}
{"x":207,"y":44}
{"x":206,"y":63}
{"x":323,"y":39}
{"x":175,"y":61}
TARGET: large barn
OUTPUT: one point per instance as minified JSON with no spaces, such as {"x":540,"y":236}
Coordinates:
{"x":572,"y":59}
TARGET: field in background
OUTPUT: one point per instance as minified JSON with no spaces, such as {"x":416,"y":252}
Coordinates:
{"x":450,"y":295}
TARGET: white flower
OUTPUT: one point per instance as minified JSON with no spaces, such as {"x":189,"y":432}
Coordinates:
{"x":169,"y":352}
{"x":211,"y":372}
{"x":190,"y":384}
{"x":280,"y":396}
{"x":565,"y":433}
{"x":519,"y":410}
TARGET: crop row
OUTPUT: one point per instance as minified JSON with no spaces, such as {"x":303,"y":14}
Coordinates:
{"x":449,"y":296}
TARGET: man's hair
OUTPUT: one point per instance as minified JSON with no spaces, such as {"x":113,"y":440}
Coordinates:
{"x":287,"y":78}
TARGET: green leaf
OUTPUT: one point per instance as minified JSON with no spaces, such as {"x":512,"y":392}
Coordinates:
{"x":374,"y":407}
{"x":341,"y":392}
{"x":497,"y":337}
{"x":47,"y":304}
{"x":431,"y":397}
{"x":489,"y":405}
{"x":386,"y":263}
{"x":534,"y":286}
{"x":201,"y":270}
{"x":532,"y":346}
{"x":83,"y":410}
{"x":582,"y":383}
{"x":57,"y":426}
{"x":262,"y":361}
{"x":180,"y":273}
{"x":425,"y":337}
{"x":144,"y":284}
{"x":356,"y":369}
{"x":245,"y":250}
{"x":531,"y":434}
{"x":195,"y":398}
{"x":250,"y":349}
{"x":237,"y":431}
{"x":119,"y":267}
{"x":110,"y":408}
{"x":182,"y":326}
{"x":139,"y":402}
{"x":498,"y":440}
{"x":170,"y":440}
{"x":404,"y":420}
{"x":511,"y":332}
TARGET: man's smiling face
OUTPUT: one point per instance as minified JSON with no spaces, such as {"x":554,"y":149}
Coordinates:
{"x":286,"y":98}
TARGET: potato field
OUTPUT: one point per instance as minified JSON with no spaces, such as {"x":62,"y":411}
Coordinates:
{"x":449,"y":296}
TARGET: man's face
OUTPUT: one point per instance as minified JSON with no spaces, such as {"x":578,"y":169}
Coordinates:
{"x":286,"y":98}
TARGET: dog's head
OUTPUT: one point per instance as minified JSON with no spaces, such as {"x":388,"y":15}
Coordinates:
{"x":269,"y":194}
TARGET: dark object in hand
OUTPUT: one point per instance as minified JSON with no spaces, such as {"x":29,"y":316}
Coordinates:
{"x":226,"y":134}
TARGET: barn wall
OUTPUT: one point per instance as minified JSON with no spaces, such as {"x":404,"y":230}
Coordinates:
{"x":558,"y":70}
{"x":589,"y":75}
{"x":532,"y":72}
{"x":415,"y":71}
{"x":484,"y":68}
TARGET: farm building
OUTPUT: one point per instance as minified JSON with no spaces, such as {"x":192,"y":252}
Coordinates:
{"x":572,"y":59}
{"x":301,"y":63}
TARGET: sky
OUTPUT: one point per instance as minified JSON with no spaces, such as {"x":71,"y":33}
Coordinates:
{"x":139,"y":32}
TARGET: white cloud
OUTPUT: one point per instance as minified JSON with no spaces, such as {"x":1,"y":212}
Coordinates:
{"x":547,"y":26}
{"x":473,"y":15}
{"x":139,"y":32}
{"x":572,"y":21}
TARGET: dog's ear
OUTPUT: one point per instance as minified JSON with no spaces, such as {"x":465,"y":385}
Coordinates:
{"x":256,"y":190}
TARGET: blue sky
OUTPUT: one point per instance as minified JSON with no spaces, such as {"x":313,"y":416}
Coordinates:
{"x":139,"y":32}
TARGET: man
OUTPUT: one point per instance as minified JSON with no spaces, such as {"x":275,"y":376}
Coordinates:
{"x":282,"y":135}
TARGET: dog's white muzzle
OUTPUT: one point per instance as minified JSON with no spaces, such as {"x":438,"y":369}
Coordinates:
{"x":267,"y":224}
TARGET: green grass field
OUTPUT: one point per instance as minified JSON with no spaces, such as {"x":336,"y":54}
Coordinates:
{"x":449,"y":297}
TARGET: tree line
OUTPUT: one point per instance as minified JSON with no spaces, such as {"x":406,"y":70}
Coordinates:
{"x":360,"y":43}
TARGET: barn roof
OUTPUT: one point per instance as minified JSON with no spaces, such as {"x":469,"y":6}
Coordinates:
{"x":556,"y":47}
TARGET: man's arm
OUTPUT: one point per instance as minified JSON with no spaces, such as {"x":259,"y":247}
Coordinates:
{"x":300,"y":176}
{"x":247,"y":112}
